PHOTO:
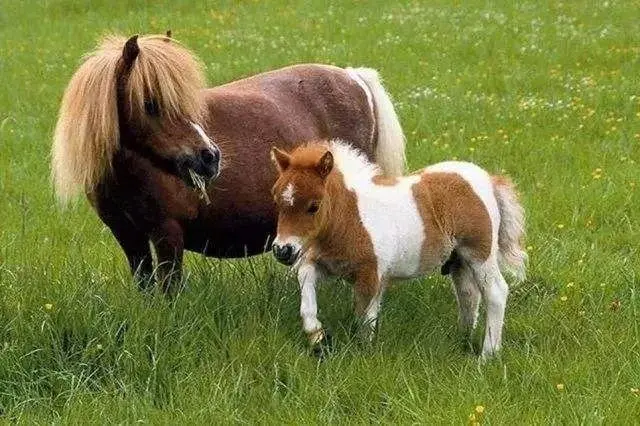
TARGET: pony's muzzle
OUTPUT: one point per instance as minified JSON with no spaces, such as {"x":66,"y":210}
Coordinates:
{"x":285,"y":253}
{"x":205,"y":163}
{"x":209,"y":162}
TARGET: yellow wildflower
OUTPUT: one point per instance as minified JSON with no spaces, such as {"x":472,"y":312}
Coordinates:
{"x":48,"y":306}
{"x":479,"y":409}
{"x":563,"y":299}
{"x":560,"y":386}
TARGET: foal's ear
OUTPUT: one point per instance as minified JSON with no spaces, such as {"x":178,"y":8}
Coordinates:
{"x":130,"y":51}
{"x":280,"y":158}
{"x":325,"y":164}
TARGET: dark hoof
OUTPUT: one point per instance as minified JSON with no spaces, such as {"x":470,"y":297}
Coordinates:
{"x":324,"y":347}
{"x":146,"y":284}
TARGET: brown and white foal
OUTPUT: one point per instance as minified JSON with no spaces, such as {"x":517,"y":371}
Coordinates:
{"x":338,"y":215}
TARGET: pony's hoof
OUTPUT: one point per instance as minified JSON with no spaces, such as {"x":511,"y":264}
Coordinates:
{"x":323,"y":346}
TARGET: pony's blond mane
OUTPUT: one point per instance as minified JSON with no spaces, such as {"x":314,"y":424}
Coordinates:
{"x":87,"y":133}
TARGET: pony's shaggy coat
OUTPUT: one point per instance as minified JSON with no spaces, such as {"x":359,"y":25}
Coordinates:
{"x":371,"y":229}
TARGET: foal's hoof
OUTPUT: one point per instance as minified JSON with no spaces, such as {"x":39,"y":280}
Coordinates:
{"x":322,"y":345}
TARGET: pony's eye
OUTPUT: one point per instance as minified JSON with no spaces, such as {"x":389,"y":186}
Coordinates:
{"x":313,"y":207}
{"x":151,"y":107}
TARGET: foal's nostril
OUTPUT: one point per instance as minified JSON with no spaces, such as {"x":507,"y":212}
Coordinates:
{"x":282,"y":252}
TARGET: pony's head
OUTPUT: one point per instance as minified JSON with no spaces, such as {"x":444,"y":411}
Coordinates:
{"x":140,"y":94}
{"x":301,"y":198}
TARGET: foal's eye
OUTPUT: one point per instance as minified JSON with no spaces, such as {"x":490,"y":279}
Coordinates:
{"x":313,"y":207}
{"x":151,"y":107}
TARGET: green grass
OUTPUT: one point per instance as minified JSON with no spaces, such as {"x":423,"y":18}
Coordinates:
{"x":547,"y":91}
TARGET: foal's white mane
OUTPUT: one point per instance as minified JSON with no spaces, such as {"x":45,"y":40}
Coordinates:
{"x":352,"y":163}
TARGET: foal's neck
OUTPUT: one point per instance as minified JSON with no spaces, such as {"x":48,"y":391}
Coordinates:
{"x":342,"y":211}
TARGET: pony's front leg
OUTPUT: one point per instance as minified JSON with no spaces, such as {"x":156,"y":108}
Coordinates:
{"x":168,"y":241}
{"x":308,"y":275}
{"x":368,"y":298}
{"x":134,"y":242}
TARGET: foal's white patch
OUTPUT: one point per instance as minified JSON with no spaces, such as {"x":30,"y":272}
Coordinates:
{"x":389,"y":213}
{"x":288,"y":194}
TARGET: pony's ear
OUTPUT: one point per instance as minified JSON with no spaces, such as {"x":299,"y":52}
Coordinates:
{"x":280,"y":158}
{"x":130,"y":51}
{"x":325,"y":164}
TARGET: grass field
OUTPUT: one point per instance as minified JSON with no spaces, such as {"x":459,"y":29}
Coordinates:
{"x":548,"y":92}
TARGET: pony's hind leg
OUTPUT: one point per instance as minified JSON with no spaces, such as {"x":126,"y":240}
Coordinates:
{"x":168,"y":240}
{"x":494,"y":291}
{"x":467,"y":295}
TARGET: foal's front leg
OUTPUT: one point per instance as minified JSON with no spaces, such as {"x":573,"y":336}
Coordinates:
{"x":368,"y":298}
{"x":308,"y":275}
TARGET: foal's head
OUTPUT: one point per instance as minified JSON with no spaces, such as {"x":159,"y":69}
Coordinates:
{"x":160,"y":107}
{"x":301,"y":198}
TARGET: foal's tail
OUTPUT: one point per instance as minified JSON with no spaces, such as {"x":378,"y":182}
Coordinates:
{"x":390,"y":144}
{"x":511,"y":232}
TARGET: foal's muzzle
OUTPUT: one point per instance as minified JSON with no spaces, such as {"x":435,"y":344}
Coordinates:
{"x":285,"y":253}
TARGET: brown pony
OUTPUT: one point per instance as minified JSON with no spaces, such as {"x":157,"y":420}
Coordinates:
{"x":137,"y":132}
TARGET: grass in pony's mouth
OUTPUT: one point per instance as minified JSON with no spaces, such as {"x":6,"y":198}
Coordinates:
{"x":201,"y":185}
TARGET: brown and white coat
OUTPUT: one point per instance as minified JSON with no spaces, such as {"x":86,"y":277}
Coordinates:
{"x":339,"y":215}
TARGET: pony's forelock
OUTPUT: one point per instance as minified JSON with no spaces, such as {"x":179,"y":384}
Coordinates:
{"x":87,"y":132}
{"x":169,"y":74}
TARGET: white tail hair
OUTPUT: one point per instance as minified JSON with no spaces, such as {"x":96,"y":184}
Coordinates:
{"x":390,"y":154}
{"x":512,"y":228}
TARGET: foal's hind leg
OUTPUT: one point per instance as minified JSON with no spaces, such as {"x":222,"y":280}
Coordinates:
{"x":494,"y":291}
{"x":168,"y":240}
{"x":467,"y":295}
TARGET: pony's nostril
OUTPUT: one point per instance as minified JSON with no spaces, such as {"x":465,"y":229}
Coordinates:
{"x":207,"y":156}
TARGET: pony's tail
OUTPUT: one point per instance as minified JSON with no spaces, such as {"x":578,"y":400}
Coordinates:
{"x":512,"y":228}
{"x":389,"y":154}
